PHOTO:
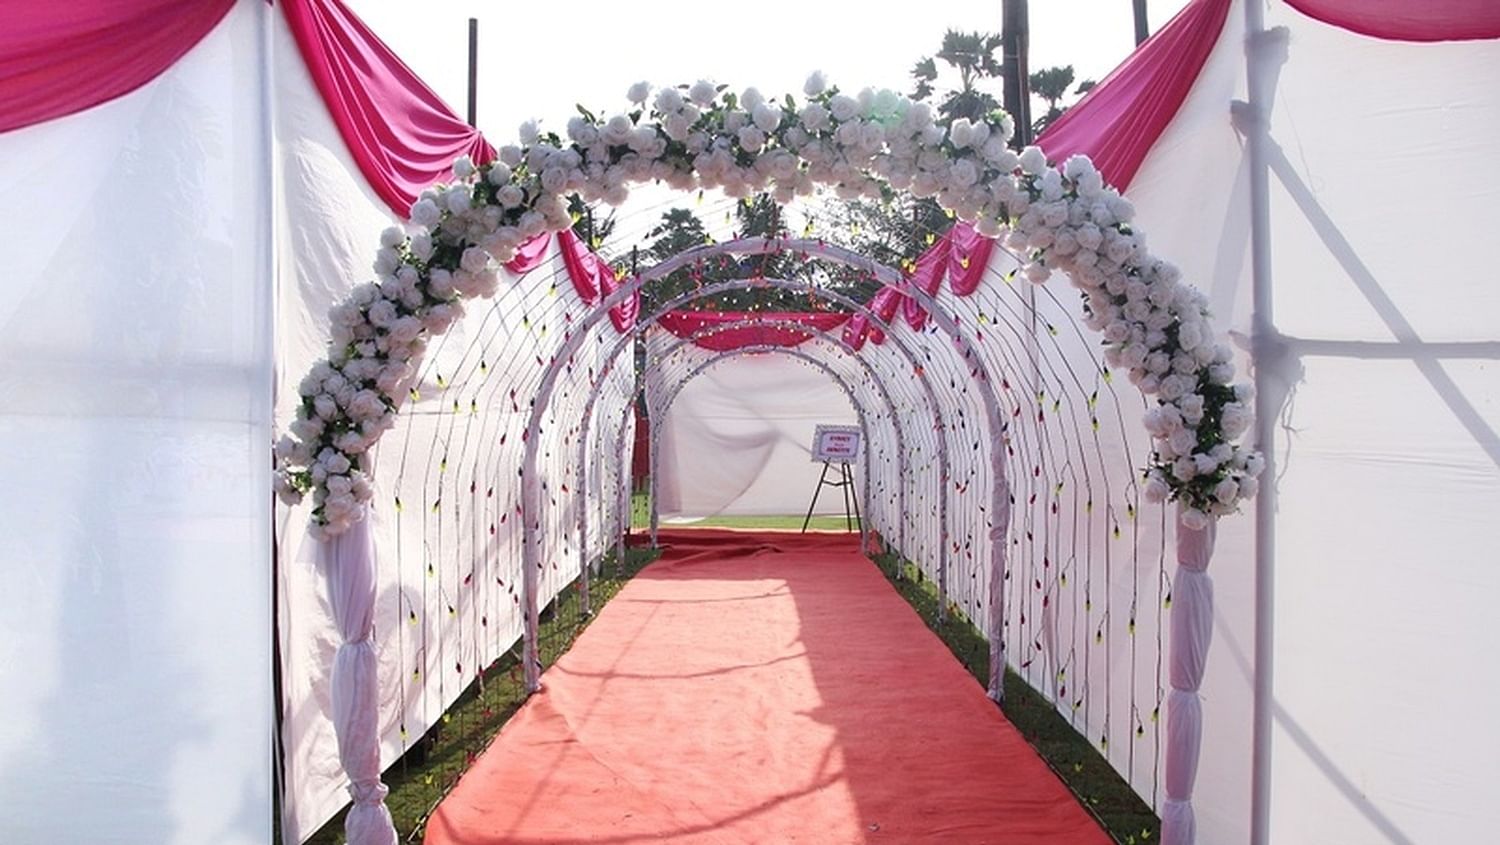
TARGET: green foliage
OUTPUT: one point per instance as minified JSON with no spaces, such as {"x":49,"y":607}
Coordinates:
{"x":972,"y":56}
{"x":1051,"y":84}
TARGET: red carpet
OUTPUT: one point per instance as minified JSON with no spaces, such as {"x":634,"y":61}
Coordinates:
{"x":760,"y":688}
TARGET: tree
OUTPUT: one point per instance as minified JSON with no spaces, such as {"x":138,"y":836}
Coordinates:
{"x":1051,"y":84}
{"x":972,"y":55}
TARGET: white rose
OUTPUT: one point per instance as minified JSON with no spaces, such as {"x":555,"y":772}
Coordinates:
{"x":350,"y":441}
{"x":766,"y":117}
{"x":751,"y":139}
{"x":405,"y":329}
{"x":668,"y":101}
{"x":365,"y":405}
{"x":1033,"y":160}
{"x":1184,"y":469}
{"x":963,"y":173}
{"x":1192,"y":408}
{"x":463,"y":167}
{"x":677,"y":127}
{"x":815,"y":85}
{"x":1205,"y":463}
{"x":383,"y":313}
{"x":529,"y":133}
{"x":703,"y":92}
{"x":961,"y":133}
{"x":1235,"y":419}
{"x":1076,"y":166}
{"x":392,"y":237}
{"x":476,"y":259}
{"x":499,"y":173}
{"x":1255,"y":464}
{"x":1226,"y":491}
{"x":286,"y":491}
{"x":1156,"y":489}
{"x":1248,"y":487}
{"x":845,"y":108}
{"x":1183,"y":440}
{"x":638,"y":93}
{"x":425,"y":212}
{"x":511,"y":155}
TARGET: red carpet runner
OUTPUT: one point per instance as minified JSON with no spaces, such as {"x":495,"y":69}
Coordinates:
{"x":760,"y":688}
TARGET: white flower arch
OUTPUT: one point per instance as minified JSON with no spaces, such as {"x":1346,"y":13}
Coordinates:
{"x":703,"y":137}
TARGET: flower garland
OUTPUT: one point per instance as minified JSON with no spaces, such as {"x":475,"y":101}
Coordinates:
{"x":700,"y":136}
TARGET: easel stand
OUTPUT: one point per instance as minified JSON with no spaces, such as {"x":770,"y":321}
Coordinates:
{"x":844,"y":480}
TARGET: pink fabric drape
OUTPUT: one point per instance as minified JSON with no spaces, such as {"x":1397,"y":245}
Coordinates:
{"x":1117,"y":122}
{"x":401,"y":135}
{"x":58,"y":58}
{"x":1403,"y":20}
{"x":686,"y":324}
{"x":961,"y":254}
{"x":530,"y":255}
{"x":968,"y":256}
{"x":593,"y":277}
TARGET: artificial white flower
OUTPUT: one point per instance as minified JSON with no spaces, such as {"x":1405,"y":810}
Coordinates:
{"x":1156,"y":489}
{"x":843,"y":108}
{"x":285,"y":490}
{"x":703,"y":92}
{"x":463,"y":167}
{"x":816,"y":84}
{"x":1033,"y":160}
{"x":425,"y":212}
{"x":668,"y":101}
{"x":529,"y":133}
{"x":638,"y":93}
{"x":511,"y":155}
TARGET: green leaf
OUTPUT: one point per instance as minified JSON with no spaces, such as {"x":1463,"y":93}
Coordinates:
{"x":588,"y":115}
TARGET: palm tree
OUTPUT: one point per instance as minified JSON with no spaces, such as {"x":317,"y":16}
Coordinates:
{"x":972,"y":55}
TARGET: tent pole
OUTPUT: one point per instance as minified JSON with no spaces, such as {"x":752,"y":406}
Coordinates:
{"x":473,"y":72}
{"x":1142,"y":28}
{"x":1015,"y":37}
{"x":1263,"y":343}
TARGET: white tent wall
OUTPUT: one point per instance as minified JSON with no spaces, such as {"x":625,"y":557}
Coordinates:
{"x":675,"y":361}
{"x":448,"y":559}
{"x":134,"y":645}
{"x":738,"y":439}
{"x":1383,"y":186}
{"x":1382,"y":181}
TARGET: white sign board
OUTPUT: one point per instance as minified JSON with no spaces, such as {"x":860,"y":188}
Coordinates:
{"x":837,"y":443}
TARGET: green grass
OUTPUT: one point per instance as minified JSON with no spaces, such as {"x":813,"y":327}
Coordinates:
{"x":1098,"y":787}
{"x":420,"y":779}
{"x":640,"y":520}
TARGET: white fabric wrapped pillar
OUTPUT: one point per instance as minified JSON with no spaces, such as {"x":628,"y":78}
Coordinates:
{"x":349,"y":565}
{"x":1192,"y":625}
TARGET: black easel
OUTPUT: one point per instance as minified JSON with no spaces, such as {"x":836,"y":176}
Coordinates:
{"x":845,"y":481}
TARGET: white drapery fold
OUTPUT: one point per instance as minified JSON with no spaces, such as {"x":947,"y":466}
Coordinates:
{"x":1192,"y":627}
{"x":349,"y":566}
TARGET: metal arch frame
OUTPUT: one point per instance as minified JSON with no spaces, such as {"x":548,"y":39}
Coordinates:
{"x":773,"y":349}
{"x":596,"y":393}
{"x":530,"y":494}
{"x":869,"y":372}
{"x":1000,"y":494}
{"x":615,"y":354}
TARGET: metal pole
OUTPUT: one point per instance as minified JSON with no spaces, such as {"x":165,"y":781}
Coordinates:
{"x":473,"y":71}
{"x":1263,"y":344}
{"x":1016,"y":40}
{"x":1142,"y":29}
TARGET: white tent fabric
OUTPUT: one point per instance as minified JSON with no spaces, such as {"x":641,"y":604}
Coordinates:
{"x":447,"y":562}
{"x":135,"y":618}
{"x":1386,"y":458}
{"x":738,"y":438}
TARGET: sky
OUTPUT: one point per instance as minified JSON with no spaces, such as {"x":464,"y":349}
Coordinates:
{"x":538,"y":63}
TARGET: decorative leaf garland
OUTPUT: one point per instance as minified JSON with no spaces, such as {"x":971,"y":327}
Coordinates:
{"x":701,"y":136}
